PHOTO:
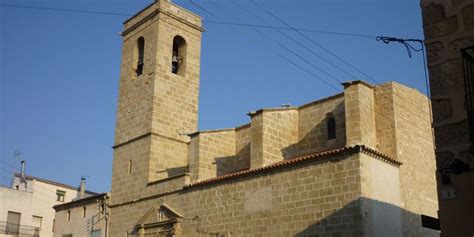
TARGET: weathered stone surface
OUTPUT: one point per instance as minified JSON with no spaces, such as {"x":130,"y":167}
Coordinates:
{"x":447,"y":90}
{"x":467,"y":157}
{"x":433,"y":13}
{"x":442,"y":158}
{"x":442,"y":109}
{"x":252,"y":180}
{"x":458,"y":2}
{"x":452,"y":134}
{"x":446,"y":27}
{"x":456,"y":45}
{"x":468,"y":17}
{"x":446,"y":78}
{"x":434,"y":51}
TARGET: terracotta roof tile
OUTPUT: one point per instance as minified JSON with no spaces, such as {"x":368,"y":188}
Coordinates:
{"x":299,"y":159}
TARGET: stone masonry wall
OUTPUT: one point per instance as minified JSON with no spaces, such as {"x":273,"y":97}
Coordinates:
{"x":321,"y":197}
{"x":449,"y":27}
{"x":415,"y":148}
{"x":275,"y":131}
{"x":385,"y":125}
{"x":156,"y":106}
{"x":215,"y":154}
{"x":135,"y":99}
{"x":176,"y":96}
{"x":312,"y":127}
{"x":127,"y":186}
{"x":359,"y":111}
{"x":243,"y":137}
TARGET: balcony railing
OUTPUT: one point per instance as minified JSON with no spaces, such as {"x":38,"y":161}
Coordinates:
{"x":15,"y":230}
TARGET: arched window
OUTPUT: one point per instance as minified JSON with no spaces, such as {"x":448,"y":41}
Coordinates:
{"x":331,"y":127}
{"x":141,"y":55}
{"x":179,"y":54}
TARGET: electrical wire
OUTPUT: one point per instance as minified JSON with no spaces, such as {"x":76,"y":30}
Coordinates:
{"x":301,"y":45}
{"x":205,"y":21}
{"x":289,"y":27}
{"x":327,"y":50}
{"x":288,"y":50}
{"x":314,"y":42}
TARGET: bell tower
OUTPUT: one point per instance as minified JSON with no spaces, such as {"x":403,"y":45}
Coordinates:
{"x":158,"y":97}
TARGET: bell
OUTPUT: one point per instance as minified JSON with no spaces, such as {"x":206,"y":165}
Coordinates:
{"x":174,"y":59}
{"x":174,"y":63}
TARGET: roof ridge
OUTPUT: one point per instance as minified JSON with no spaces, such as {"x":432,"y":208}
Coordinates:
{"x":51,"y":182}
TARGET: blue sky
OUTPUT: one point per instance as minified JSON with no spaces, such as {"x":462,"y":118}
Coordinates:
{"x":59,"y":71}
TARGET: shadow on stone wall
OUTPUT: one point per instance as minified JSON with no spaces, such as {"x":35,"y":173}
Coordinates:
{"x":176,"y":170}
{"x":316,"y":139}
{"x":367,"y":217}
{"x":231,"y":164}
{"x":313,"y":141}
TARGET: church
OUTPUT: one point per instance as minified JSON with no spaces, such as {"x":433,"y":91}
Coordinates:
{"x":358,"y":163}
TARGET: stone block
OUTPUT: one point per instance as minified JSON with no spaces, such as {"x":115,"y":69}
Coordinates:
{"x":468,"y":17}
{"x":446,"y":78}
{"x":433,"y":13}
{"x":442,"y":109}
{"x":434,"y":51}
{"x":452,"y":134}
{"x":443,"y":28}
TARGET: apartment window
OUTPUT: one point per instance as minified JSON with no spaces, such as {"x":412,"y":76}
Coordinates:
{"x":60,"y":195}
{"x":83,"y":212}
{"x":37,"y":221}
{"x":468,"y":67}
{"x":13,"y":222}
{"x":141,"y":56}
{"x":178,"y":55}
{"x":68,"y":215}
{"x":331,"y":127}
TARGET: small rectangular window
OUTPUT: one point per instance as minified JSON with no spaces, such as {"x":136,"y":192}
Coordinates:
{"x":60,"y":195}
{"x":13,"y":223}
{"x":37,"y":221}
{"x":129,"y":170}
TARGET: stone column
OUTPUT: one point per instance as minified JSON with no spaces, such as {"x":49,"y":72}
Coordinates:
{"x":360,"y":118}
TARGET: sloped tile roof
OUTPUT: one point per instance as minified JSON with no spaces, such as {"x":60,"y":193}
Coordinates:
{"x":300,"y":159}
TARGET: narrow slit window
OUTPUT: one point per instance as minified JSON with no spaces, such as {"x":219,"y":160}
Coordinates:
{"x":331,"y":127}
{"x":84,"y":212}
{"x":141,"y":56}
{"x":129,"y":170}
{"x":68,"y":215}
{"x":178,"y":55}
